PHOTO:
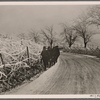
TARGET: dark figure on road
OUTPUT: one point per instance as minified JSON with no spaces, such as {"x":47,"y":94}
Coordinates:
{"x":56,"y":54}
{"x":50,"y":56}
{"x":44,"y":57}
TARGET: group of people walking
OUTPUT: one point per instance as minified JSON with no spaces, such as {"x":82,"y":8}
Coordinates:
{"x":49,"y":56}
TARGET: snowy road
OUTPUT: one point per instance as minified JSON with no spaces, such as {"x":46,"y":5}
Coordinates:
{"x":73,"y":74}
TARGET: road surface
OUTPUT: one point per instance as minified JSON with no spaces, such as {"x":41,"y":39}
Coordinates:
{"x":72,"y":74}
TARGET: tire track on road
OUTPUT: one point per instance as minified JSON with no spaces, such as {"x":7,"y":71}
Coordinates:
{"x":79,"y":78}
{"x":89,"y":79}
{"x":94,"y":67}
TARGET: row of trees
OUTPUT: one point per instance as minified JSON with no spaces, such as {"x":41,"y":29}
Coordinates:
{"x":81,"y":27}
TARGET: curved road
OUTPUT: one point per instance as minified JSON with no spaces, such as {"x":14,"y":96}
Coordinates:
{"x":73,"y":74}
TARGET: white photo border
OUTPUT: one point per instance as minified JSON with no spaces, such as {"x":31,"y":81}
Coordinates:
{"x":36,"y":97}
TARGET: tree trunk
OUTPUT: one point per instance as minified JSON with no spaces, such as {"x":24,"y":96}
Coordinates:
{"x":51,"y":43}
{"x":70,"y":42}
{"x":85,"y":44}
{"x":70,"y":45}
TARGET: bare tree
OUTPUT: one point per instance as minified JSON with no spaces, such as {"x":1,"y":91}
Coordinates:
{"x":94,"y":14}
{"x":48,"y":35}
{"x":34,"y":36}
{"x":69,"y":35}
{"x":22,"y":37}
{"x":82,"y":28}
{"x":5,"y":36}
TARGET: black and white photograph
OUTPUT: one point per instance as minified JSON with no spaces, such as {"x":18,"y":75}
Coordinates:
{"x":50,"y":49}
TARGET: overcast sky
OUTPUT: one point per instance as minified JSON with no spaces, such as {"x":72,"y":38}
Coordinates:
{"x":21,"y":19}
{"x":18,"y":19}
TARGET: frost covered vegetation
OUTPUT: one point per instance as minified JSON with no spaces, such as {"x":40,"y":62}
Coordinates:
{"x":18,"y":62}
{"x":79,"y":50}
